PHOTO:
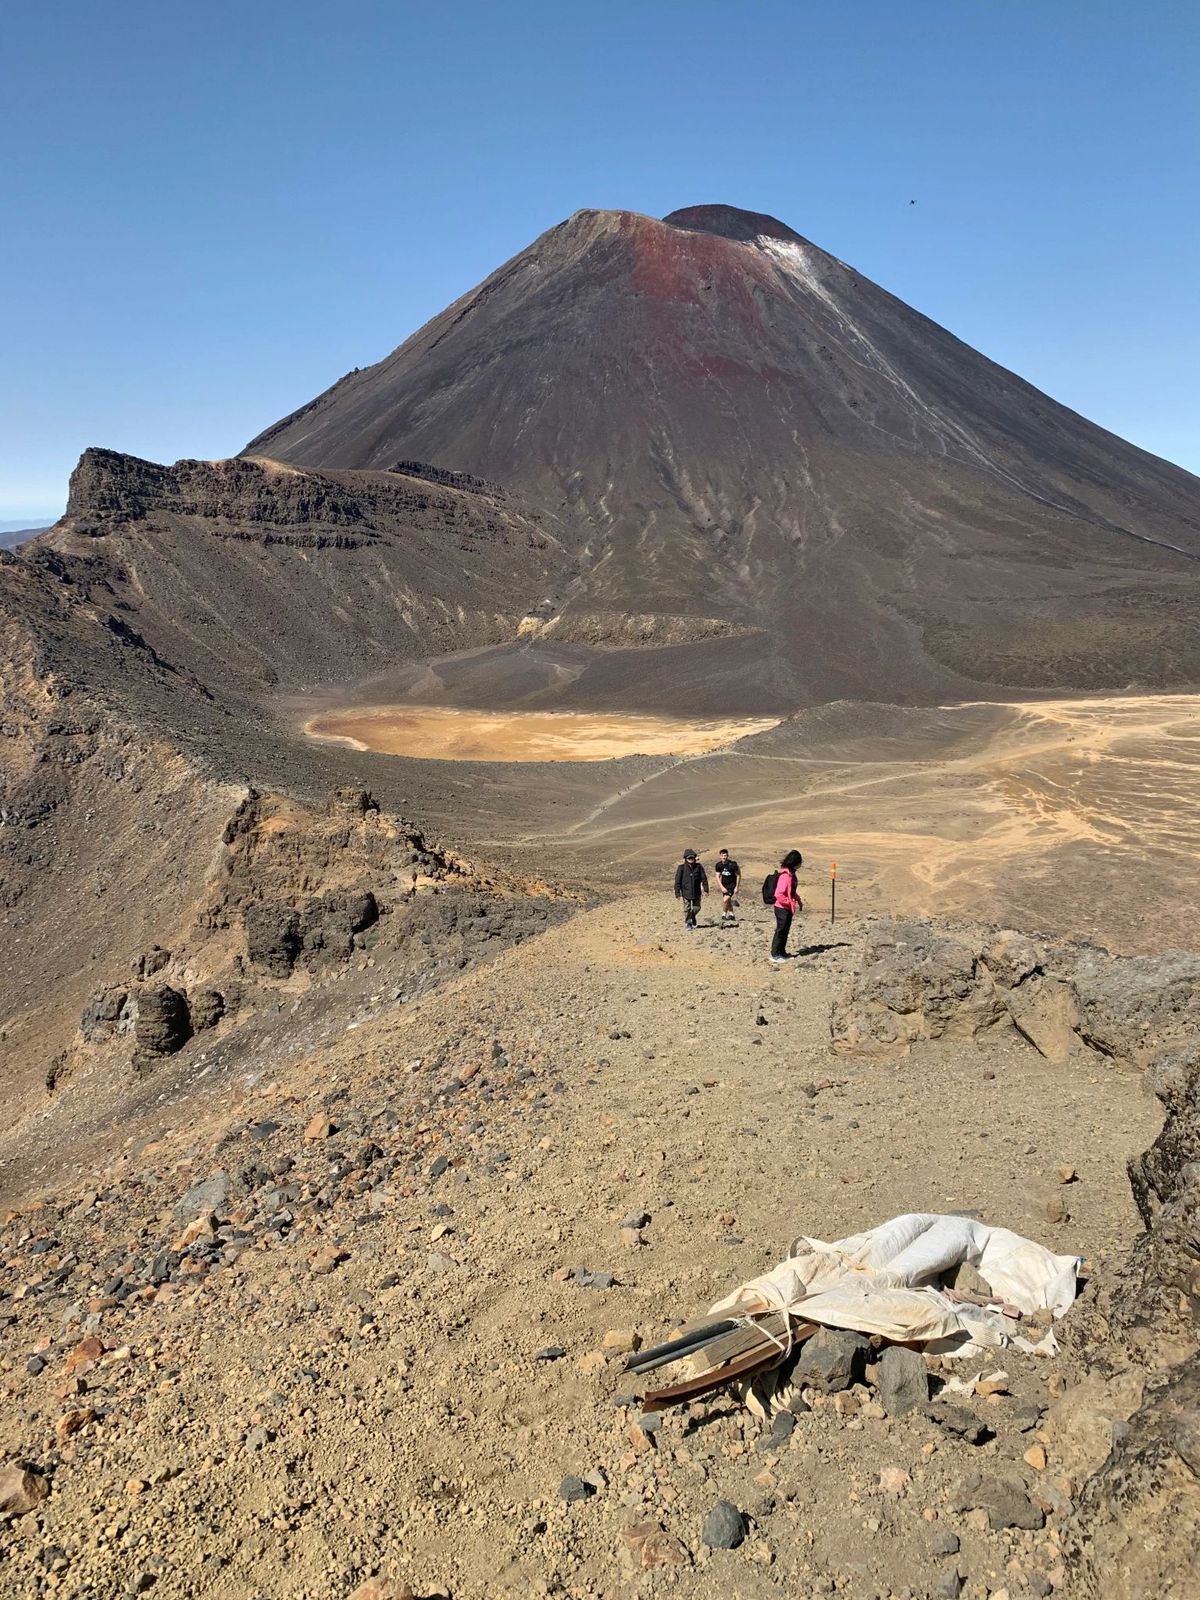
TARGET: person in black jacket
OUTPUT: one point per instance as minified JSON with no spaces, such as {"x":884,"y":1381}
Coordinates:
{"x":691,"y":881}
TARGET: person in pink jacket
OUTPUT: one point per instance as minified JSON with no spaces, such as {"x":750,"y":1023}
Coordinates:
{"x":787,"y":903}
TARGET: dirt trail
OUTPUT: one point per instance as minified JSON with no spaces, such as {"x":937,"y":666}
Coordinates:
{"x":389,"y":1414}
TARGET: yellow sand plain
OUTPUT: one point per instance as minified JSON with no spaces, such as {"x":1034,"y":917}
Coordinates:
{"x":445,"y":733}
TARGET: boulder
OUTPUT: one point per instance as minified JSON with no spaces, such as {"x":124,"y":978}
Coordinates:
{"x":1001,"y":1495}
{"x":1132,"y":1007}
{"x":163,"y":1024}
{"x":273,"y":939}
{"x":209,"y":1194}
{"x":831,"y":1359}
{"x":967,"y":1278}
{"x":960,"y":1422}
{"x":150,"y":963}
{"x":913,"y":983}
{"x":1044,"y":1010}
{"x":903,"y":1380}
{"x":380,"y":1588}
{"x":724,"y":1527}
{"x":207,"y":1007}
{"x":22,"y":1489}
{"x":105,"y":1015}
{"x":1011,"y":957}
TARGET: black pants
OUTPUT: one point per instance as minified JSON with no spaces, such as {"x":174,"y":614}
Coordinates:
{"x":783,"y":926}
{"x":691,"y":909}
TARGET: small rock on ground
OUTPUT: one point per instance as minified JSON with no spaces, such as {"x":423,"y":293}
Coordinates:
{"x":724,"y":1527}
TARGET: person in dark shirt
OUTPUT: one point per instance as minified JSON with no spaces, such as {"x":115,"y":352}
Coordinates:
{"x":729,"y":876}
{"x":691,"y":881}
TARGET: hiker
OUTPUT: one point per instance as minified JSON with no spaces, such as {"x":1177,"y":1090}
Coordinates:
{"x":786,"y":901}
{"x":729,"y":875}
{"x":691,"y":881}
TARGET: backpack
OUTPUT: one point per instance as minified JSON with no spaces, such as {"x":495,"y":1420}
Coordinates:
{"x":770,"y":884}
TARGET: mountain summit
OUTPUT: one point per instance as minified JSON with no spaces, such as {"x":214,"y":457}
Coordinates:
{"x":746,"y":431}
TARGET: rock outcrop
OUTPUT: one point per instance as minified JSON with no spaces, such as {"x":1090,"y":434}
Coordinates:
{"x":278,"y":936}
{"x":914,"y":981}
{"x":273,"y":937}
{"x":207,"y":1008}
{"x":163,"y":1026}
{"x":248,"y":497}
{"x":299,"y":890}
{"x":1137,"y":1527}
{"x":1166,"y":1174}
{"x":151,"y":963}
{"x":106,"y":1012}
{"x":1128,"y":1431}
{"x":1130,"y":1008}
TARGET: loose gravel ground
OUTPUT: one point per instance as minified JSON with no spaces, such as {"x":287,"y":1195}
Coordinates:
{"x":373,"y":1341}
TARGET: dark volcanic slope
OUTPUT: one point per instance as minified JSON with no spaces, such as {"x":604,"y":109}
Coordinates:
{"x":747,"y":429}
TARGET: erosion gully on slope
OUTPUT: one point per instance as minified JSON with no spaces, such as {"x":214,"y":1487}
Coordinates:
{"x":358,"y":1374}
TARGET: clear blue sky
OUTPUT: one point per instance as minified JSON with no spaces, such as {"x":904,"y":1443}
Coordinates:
{"x":212,"y":210}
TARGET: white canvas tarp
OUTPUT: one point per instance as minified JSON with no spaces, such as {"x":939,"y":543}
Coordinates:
{"x":888,"y":1281}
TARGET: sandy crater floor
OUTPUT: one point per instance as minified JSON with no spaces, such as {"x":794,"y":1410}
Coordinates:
{"x":448,"y":733}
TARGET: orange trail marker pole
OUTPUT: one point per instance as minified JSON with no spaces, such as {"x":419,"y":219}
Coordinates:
{"x":833,"y":893}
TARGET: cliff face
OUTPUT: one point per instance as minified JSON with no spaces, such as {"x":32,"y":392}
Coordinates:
{"x":248,"y":574}
{"x":110,"y":491}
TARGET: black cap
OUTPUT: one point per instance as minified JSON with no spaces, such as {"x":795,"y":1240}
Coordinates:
{"x":689,"y":855}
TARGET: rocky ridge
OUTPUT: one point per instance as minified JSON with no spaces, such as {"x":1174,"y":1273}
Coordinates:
{"x":296,"y":893}
{"x":1131,"y":1428}
{"x":1069,"y":998}
{"x":389,"y":1232}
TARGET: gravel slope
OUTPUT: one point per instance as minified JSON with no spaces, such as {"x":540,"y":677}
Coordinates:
{"x":346,"y":1383}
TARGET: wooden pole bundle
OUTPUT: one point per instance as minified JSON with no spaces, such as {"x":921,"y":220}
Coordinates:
{"x":733,"y":1348}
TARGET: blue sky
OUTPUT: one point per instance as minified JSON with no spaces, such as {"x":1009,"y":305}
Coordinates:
{"x":210,"y":211}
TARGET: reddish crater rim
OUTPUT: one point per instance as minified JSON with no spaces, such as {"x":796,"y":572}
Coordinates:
{"x":731,"y":223}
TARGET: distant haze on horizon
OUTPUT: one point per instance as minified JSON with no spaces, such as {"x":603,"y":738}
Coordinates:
{"x":201,"y":238}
